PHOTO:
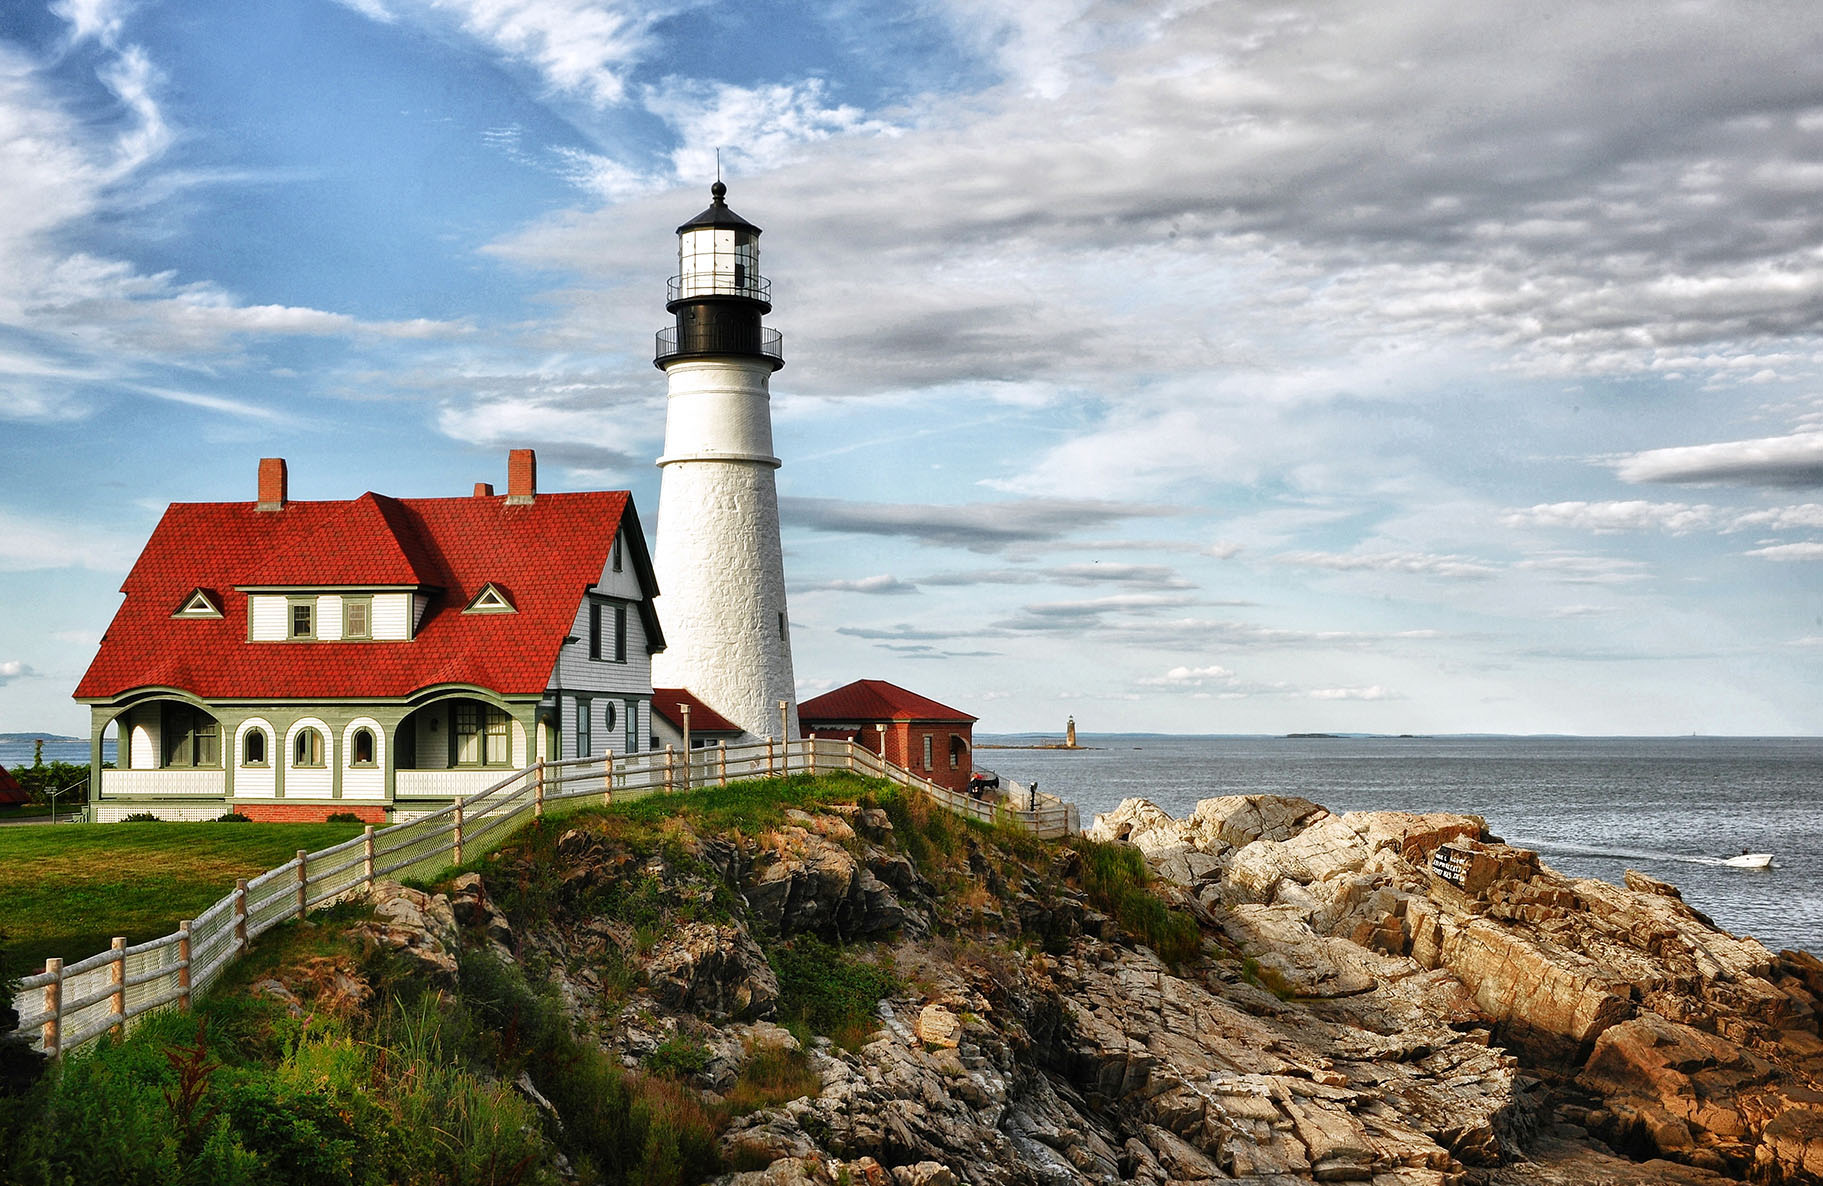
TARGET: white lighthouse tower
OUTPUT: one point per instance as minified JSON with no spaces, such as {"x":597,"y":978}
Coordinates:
{"x":720,"y":569}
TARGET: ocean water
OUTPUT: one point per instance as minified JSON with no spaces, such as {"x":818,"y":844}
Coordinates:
{"x":14,"y":754}
{"x":1592,"y":807}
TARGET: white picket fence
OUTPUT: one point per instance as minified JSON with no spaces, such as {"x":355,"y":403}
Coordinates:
{"x":69,"y":1005}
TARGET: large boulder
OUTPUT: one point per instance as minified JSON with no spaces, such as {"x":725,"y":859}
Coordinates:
{"x":718,"y":972}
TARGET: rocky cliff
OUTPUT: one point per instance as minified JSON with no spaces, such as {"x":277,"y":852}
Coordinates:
{"x":1338,"y":1012}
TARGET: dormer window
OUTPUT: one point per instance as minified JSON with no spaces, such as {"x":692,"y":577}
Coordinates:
{"x":302,"y":623}
{"x":491,"y":600}
{"x":200,"y":604}
{"x":357,"y":617}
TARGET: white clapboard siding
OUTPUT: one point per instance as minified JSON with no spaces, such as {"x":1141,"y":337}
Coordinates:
{"x":419,"y":602}
{"x":392,"y":616}
{"x":266,"y":611}
{"x":329,"y":617}
{"x":624,"y":583}
{"x":576,"y":672}
{"x":255,"y":782}
{"x":145,"y":740}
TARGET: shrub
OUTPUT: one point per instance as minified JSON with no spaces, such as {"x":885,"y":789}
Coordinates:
{"x":139,"y":817}
{"x":678,"y":1057}
{"x":824,"y":990}
{"x":233,"y":817}
{"x":1116,"y":878}
{"x":773,"y":1076}
{"x":343,"y":817}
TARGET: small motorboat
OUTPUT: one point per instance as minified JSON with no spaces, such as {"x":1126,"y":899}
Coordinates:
{"x":1750,"y":860}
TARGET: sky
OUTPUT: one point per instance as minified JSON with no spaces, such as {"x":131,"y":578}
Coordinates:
{"x":1189,"y":367}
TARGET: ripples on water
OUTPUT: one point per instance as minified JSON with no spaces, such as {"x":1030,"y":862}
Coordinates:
{"x":1592,"y":807}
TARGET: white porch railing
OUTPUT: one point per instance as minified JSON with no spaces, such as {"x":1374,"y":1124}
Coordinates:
{"x":71,"y":1005}
{"x":150,"y":783}
{"x":443,"y":784}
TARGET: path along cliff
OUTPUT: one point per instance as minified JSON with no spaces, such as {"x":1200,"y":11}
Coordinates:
{"x":1273,"y":995}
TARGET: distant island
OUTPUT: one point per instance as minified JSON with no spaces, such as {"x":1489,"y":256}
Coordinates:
{"x":38,"y":737}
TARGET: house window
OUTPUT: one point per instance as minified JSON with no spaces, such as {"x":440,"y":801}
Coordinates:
{"x":362,"y":747}
{"x":594,"y":630}
{"x":632,"y":726}
{"x":955,"y":752}
{"x":483,"y":735}
{"x":307,"y":748}
{"x":927,"y":751}
{"x":607,"y":716}
{"x":253,"y":748}
{"x":192,"y":738}
{"x":617,"y":560}
{"x":585,"y":745}
{"x":620,"y":634}
{"x":303,"y":617}
{"x":357,"y":617}
{"x":781,"y":624}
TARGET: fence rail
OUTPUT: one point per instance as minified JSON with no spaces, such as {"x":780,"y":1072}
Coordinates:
{"x":69,"y":1005}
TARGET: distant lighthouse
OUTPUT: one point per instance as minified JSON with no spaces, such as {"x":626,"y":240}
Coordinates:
{"x":720,"y":569}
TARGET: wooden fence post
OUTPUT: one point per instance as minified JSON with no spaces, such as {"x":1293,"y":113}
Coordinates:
{"x":684,"y":710}
{"x":810,"y":747}
{"x":851,"y":757}
{"x":367,"y":857}
{"x":769,"y":755}
{"x":607,"y":780}
{"x":303,"y":884}
{"x":117,"y":980}
{"x":240,"y":914}
{"x":53,"y":1008}
{"x":538,"y":791}
{"x":670,"y":769}
{"x":183,"y":964}
{"x":721,"y":759}
{"x":456,"y":839}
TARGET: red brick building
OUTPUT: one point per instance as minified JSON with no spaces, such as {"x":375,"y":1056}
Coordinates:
{"x":914,"y":731}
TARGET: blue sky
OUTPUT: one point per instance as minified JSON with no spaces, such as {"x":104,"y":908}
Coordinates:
{"x":1198,"y":367}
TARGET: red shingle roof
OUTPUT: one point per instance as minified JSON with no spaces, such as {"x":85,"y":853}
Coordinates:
{"x":10,"y":791}
{"x":703,"y":719}
{"x":875,"y":700}
{"x":547,"y":553}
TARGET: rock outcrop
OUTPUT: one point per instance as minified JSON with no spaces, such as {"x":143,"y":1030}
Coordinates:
{"x":1384,"y":998}
{"x":1658,"y":1034}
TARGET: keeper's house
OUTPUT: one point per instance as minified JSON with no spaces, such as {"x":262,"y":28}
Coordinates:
{"x":290,"y":660}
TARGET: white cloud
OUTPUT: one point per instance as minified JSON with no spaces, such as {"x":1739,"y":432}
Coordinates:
{"x":759,"y":127}
{"x":1577,"y":569}
{"x":30,"y":543}
{"x":1787,"y":518}
{"x":883,"y":583}
{"x":12,"y":669}
{"x":1795,"y":460}
{"x":1807,"y":550}
{"x":1413,"y":563}
{"x":1609,"y":517}
{"x":1372,"y":692}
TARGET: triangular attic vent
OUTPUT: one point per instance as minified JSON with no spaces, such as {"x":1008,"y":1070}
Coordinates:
{"x":200,"y":604}
{"x":491,"y":600}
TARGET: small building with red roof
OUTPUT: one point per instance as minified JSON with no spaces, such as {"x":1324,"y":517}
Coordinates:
{"x":11,"y":793}
{"x":706,"y":726}
{"x":289,"y":660}
{"x":913,"y":731}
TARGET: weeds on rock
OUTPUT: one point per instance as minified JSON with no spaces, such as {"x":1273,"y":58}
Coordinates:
{"x":825,"y":990}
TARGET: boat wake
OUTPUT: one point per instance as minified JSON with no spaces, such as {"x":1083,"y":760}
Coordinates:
{"x":1572,"y":850}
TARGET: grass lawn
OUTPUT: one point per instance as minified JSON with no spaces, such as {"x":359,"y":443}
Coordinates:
{"x":66,"y":890}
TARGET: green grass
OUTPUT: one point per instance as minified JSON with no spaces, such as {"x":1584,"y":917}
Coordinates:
{"x":69,"y":889}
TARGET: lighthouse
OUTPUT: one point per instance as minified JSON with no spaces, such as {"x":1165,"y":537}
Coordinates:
{"x":720,"y":569}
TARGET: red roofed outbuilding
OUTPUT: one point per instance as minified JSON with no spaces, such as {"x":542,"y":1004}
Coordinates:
{"x":913,"y":731}
{"x":11,"y":793}
{"x":706,"y":725}
{"x":289,"y":660}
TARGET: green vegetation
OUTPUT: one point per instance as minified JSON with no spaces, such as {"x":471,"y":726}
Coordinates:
{"x":43,"y":777}
{"x":69,"y":890}
{"x":1116,"y":879}
{"x":824,"y":989}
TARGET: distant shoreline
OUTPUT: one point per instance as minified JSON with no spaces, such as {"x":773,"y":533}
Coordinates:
{"x":1055,"y":745}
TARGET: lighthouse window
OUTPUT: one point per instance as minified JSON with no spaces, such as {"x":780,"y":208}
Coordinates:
{"x":740,"y":275}
{"x":781,"y":625}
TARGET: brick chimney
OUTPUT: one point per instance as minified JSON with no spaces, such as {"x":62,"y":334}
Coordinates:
{"x":484,"y":490}
{"x":521,"y":478}
{"x":273,"y":486}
